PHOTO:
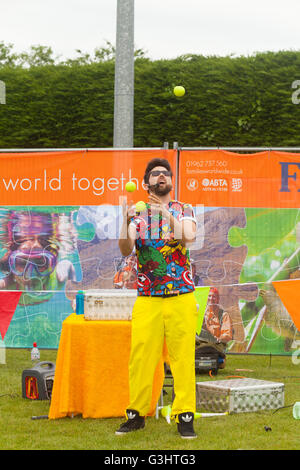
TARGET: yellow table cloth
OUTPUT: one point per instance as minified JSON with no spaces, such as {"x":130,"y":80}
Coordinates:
{"x":91,"y":373}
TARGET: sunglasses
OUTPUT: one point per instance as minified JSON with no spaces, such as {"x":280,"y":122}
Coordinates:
{"x":160,"y":172}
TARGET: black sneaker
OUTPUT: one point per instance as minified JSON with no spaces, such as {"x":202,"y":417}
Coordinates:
{"x":185,"y":425}
{"x":134,"y":423}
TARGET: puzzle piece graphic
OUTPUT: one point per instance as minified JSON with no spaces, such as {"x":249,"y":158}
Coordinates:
{"x":278,"y":317}
{"x":219,"y":264}
{"x":99,"y":254}
{"x":265,"y":228}
{"x":98,"y":260}
{"x":105,"y":220}
{"x":273,"y":254}
{"x":38,"y":322}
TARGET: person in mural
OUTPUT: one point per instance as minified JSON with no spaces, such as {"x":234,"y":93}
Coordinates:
{"x":126,"y":275}
{"x":36,"y":244}
{"x":165,"y":305}
{"x":196,"y":278}
{"x":217,"y":328}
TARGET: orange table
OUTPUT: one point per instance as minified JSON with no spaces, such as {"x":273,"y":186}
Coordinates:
{"x":91,"y":374}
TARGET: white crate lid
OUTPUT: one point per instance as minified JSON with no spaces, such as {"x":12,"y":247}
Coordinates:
{"x":237,"y":384}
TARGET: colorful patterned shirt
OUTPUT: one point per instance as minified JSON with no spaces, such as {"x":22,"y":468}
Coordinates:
{"x":163,"y":262}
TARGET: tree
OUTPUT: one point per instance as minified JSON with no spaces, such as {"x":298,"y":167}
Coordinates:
{"x":38,"y":56}
{"x":7,"y":58}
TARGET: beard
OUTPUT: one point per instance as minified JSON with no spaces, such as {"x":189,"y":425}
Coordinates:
{"x":160,"y":190}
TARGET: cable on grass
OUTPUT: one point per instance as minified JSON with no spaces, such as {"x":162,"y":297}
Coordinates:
{"x":282,"y":407}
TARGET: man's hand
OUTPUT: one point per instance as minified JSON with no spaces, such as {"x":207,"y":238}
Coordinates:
{"x":158,"y":207}
{"x":128,"y":211}
{"x":128,"y":231}
{"x":184,"y":231}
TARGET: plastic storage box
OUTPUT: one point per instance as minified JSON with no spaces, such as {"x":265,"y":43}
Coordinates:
{"x":239,"y":395}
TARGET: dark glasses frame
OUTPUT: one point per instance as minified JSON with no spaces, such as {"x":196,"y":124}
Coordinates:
{"x":158,"y":172}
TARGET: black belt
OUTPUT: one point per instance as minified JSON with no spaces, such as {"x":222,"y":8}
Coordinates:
{"x":170,"y":295}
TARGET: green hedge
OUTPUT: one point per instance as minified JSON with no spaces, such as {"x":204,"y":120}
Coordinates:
{"x":229,"y":101}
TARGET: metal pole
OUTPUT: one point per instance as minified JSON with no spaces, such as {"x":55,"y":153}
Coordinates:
{"x":2,"y":93}
{"x":175,"y":147}
{"x":124,"y":75}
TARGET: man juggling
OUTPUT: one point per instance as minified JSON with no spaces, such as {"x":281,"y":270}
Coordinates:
{"x":165,"y":305}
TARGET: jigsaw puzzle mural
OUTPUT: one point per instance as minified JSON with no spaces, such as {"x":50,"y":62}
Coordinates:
{"x":61,"y":215}
{"x":250,"y":242}
{"x":51,"y":250}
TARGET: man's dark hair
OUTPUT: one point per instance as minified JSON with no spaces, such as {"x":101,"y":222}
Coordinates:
{"x":152,"y":164}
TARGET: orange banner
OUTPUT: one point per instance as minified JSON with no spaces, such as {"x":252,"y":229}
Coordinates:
{"x":218,"y":178}
{"x":74,"y":178}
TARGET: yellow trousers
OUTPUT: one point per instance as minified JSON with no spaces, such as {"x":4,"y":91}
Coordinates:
{"x":153,"y":319}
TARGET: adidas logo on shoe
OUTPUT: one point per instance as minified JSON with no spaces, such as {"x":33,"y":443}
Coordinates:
{"x":134,"y":423}
{"x":185,"y":425}
{"x":187,"y":418}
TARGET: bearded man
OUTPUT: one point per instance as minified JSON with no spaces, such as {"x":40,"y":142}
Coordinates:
{"x":165,"y":307}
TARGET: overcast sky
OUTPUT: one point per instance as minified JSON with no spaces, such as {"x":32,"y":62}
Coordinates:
{"x":163,"y":28}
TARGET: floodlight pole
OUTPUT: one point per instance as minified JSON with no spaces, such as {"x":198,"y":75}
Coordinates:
{"x":2,"y":93}
{"x":124,"y":75}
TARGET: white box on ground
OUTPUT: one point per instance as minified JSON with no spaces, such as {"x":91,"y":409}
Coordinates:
{"x":239,"y":395}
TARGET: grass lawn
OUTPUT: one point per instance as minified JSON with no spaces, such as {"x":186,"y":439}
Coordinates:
{"x":237,"y":431}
